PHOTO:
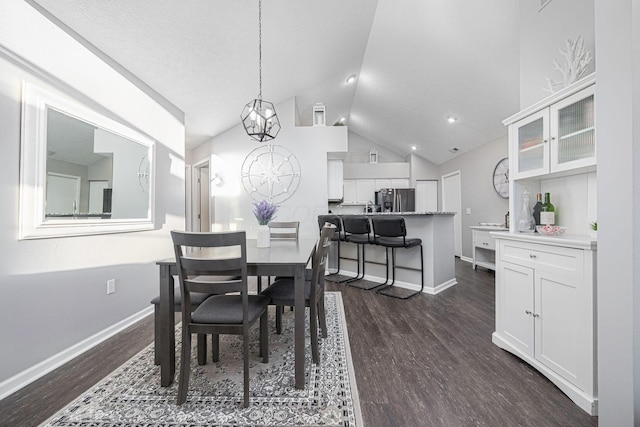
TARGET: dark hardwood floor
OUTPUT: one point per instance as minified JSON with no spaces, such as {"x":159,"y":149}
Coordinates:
{"x":426,"y":361}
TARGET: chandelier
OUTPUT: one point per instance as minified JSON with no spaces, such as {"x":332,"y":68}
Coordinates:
{"x":259,"y":117}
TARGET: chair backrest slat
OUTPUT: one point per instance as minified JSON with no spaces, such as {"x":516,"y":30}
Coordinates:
{"x":284,"y":229}
{"x":321,"y":254}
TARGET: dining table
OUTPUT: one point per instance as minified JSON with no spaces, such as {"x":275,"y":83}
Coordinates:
{"x":281,"y":258}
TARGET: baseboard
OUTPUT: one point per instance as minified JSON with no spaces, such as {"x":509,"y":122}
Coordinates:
{"x":412,"y":286}
{"x":467,"y":259}
{"x":15,"y":383}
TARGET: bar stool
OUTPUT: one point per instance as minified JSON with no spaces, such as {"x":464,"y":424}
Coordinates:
{"x":338,"y":236}
{"x":391,"y":233}
{"x":357,"y":229}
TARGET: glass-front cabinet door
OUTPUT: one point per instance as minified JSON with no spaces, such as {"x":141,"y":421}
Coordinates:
{"x":531,"y":150}
{"x":573,"y":131}
{"x":557,"y":138}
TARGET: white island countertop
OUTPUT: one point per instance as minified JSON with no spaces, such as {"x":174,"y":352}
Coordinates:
{"x":577,"y":241}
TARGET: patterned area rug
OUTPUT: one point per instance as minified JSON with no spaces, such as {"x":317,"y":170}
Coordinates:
{"x":132,"y":396}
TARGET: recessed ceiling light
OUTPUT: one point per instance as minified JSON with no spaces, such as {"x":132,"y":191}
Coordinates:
{"x":342,"y":119}
{"x":414,"y":148}
{"x":451,"y":119}
{"x":351,"y":78}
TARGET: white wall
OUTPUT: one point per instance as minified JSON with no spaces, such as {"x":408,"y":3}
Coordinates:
{"x":359,"y":147}
{"x":54,"y":290}
{"x":617,"y":98}
{"x":476,"y":171}
{"x":542,"y":35}
{"x":422,"y":169}
{"x":233,"y":206}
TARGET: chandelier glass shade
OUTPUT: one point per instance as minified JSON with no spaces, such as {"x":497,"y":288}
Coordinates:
{"x":259,"y":117}
{"x":260,"y":120}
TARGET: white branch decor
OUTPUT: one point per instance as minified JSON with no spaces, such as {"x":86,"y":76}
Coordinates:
{"x":576,"y":61}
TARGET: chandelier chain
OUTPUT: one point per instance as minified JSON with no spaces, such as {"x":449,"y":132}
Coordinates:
{"x":260,"y":46}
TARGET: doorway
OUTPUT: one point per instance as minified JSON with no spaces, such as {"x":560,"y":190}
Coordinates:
{"x":201,"y":197}
{"x":452,"y":202}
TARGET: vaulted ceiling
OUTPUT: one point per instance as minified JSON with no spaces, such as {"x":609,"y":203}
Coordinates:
{"x":417,"y":62}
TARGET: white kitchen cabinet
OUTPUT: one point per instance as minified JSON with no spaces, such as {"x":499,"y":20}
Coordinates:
{"x":358,"y":191}
{"x":484,"y":246}
{"x":400,"y":183}
{"x":545,"y":309}
{"x":365,"y":190}
{"x":334,"y":180}
{"x":383,"y":183}
{"x":555,"y":135}
{"x":349,"y":191}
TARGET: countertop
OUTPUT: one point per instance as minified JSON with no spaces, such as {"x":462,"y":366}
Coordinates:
{"x":567,"y":240}
{"x":422,"y":213}
{"x":489,"y":227}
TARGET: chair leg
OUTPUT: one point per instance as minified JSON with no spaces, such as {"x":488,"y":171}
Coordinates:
{"x":313,"y":326}
{"x":215,"y":347}
{"x":279,"y":319}
{"x":382,"y":290}
{"x":264,"y":337}
{"x":185,"y":367}
{"x":202,"y":349}
{"x":156,"y":334}
{"x":322,"y":318}
{"x":245,"y":357}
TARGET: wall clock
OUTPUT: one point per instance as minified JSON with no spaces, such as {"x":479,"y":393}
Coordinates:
{"x":501,"y":178}
{"x":143,"y":174}
{"x":270,"y":172}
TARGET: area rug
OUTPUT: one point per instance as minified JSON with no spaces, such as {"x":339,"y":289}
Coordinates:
{"x":132,"y":396}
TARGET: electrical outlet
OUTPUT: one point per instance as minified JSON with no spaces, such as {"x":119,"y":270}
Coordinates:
{"x":468,"y":211}
{"x":111,"y":286}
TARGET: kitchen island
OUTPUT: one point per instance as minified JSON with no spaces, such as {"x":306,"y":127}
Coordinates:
{"x":436,"y":231}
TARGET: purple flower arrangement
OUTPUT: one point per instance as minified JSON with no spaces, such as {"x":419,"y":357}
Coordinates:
{"x":264,"y":212}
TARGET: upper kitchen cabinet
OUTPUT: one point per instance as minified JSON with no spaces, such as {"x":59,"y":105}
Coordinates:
{"x":334,"y":180}
{"x":555,"y":135}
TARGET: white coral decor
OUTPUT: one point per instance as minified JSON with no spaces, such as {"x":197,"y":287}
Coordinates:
{"x":576,"y":61}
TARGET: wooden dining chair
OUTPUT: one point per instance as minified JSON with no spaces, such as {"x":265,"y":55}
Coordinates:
{"x":281,"y":230}
{"x":282,"y":291}
{"x":231,"y":311}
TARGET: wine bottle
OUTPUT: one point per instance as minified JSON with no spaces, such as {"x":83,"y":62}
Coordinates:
{"x":547,"y":215}
{"x":537,"y":208}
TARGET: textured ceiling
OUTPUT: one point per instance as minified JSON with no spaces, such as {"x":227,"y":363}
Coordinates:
{"x":417,"y":61}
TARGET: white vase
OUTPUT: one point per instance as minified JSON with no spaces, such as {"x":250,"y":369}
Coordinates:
{"x":263,"y":236}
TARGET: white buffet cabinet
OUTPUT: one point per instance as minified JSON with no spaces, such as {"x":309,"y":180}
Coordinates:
{"x":545,"y":308}
{"x":484,"y":246}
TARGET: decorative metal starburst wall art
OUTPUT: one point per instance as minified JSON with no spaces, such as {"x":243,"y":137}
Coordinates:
{"x":270,"y":172}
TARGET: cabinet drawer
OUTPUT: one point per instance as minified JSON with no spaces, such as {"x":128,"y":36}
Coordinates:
{"x":482,"y":239}
{"x":566,"y":261}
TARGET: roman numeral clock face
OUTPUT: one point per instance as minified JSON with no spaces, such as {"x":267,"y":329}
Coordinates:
{"x":270,"y":172}
{"x":501,"y":178}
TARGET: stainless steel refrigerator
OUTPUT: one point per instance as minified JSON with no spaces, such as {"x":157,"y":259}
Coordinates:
{"x":396,"y":199}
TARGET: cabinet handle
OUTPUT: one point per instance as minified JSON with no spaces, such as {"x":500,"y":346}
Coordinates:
{"x":532,"y":256}
{"x":527,"y":312}
{"x":536,"y":315}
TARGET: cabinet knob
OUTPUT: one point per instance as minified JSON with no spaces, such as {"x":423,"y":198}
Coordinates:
{"x":544,"y":141}
{"x":532,"y":256}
